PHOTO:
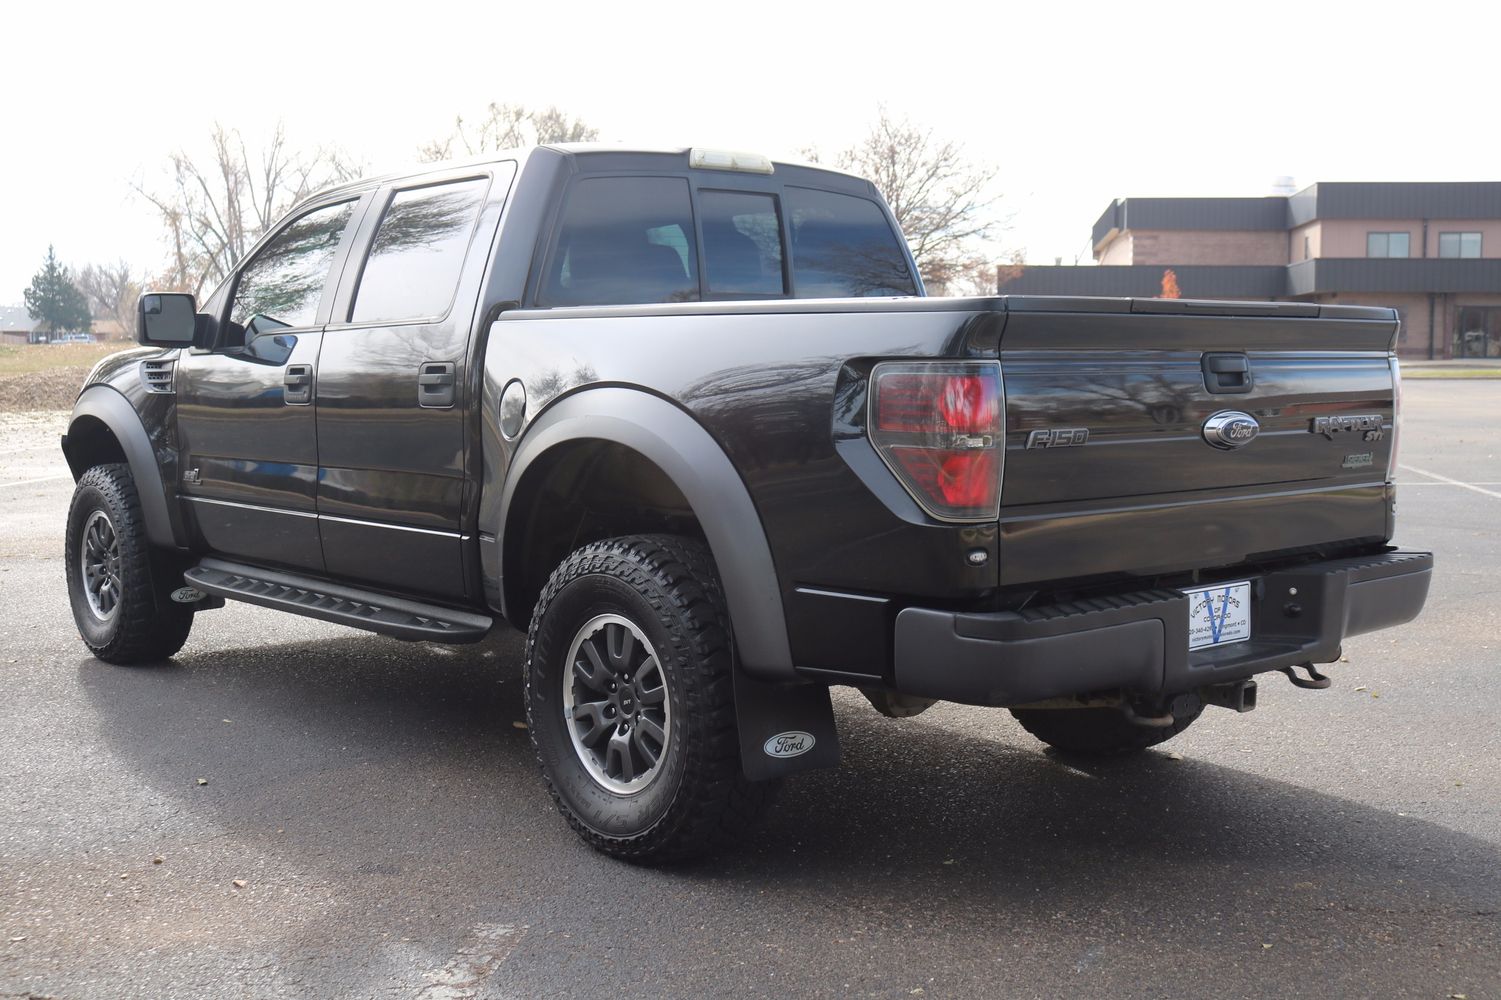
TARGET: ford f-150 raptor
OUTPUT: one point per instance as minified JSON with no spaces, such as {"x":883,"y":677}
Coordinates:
{"x":687,"y":418}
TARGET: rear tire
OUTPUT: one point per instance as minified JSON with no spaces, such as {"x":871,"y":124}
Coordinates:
{"x":122,"y":609}
{"x":1103,"y":732}
{"x":630,"y":701}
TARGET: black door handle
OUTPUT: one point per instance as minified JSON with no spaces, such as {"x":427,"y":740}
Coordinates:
{"x":299,"y":385}
{"x":435,"y":384}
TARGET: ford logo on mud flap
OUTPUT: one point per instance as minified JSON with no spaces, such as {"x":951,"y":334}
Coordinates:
{"x":1231,"y":429}
{"x":789,"y":744}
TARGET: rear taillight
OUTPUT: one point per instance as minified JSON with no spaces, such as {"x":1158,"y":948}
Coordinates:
{"x":1391,"y":461}
{"x":938,"y":425}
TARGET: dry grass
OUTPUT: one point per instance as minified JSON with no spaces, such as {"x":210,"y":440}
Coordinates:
{"x":1408,"y":373}
{"x":47,"y":376}
{"x":24,"y":359}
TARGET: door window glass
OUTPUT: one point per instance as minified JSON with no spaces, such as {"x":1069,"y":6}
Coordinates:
{"x":418,"y":251}
{"x":282,"y":284}
{"x":624,"y":240}
{"x":843,"y":246}
{"x":742,"y":244}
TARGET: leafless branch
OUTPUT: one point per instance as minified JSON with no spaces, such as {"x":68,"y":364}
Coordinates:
{"x":214,"y":210}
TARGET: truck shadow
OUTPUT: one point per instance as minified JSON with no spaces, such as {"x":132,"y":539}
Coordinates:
{"x":407,"y":758}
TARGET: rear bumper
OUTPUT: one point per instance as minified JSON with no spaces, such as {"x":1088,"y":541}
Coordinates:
{"x":1138,"y":642}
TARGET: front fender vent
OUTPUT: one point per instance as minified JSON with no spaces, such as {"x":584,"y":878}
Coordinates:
{"x":156,"y":374}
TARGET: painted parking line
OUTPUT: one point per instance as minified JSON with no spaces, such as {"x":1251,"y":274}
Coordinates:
{"x":1452,"y":482}
{"x":39,"y":479}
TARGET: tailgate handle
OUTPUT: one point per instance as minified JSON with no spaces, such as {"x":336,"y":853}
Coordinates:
{"x":1227,"y":373}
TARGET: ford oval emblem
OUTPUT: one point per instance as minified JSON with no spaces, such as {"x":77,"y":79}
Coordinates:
{"x":791,"y":744}
{"x":1231,"y":429}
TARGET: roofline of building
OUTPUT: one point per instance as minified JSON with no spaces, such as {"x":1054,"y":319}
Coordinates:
{"x":1325,"y":200}
{"x":1310,"y":277}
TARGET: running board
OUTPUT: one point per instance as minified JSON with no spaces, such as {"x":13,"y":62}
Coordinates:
{"x":330,"y":602}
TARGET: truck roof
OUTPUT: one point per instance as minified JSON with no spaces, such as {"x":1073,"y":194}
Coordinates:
{"x":620,"y":151}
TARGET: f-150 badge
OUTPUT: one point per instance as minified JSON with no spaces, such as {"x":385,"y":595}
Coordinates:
{"x":1058,"y":437}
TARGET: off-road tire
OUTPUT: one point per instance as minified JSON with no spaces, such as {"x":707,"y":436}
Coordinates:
{"x":145,"y":624}
{"x":1103,"y":732}
{"x":698,"y":800}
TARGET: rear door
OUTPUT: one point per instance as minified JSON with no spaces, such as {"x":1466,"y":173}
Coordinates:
{"x":245,"y":414}
{"x":393,"y":376}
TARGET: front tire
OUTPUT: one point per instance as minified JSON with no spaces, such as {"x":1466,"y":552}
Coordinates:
{"x":630,"y":701}
{"x":123,"y":612}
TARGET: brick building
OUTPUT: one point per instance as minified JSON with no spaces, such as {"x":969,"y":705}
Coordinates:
{"x":1432,"y":251}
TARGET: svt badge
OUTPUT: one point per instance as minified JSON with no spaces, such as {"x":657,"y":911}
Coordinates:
{"x":1231,"y":429}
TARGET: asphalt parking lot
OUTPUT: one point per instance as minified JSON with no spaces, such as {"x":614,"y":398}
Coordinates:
{"x":372,"y":823}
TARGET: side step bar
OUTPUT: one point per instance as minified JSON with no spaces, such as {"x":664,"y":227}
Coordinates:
{"x":331,"y":602}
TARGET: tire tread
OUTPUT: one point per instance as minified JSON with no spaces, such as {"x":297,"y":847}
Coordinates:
{"x":148,"y":627}
{"x":715,"y":804}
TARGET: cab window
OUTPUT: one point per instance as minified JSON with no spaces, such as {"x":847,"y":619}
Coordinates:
{"x":418,"y":251}
{"x":622,"y":241}
{"x":281,"y":286}
{"x":742,"y":244}
{"x":843,"y":246}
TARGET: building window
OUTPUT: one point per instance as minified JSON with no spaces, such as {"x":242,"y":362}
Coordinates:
{"x":1306,"y":254}
{"x":1386,"y":244}
{"x":1459,"y":244}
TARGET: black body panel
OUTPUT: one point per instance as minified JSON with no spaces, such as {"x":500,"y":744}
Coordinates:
{"x":1138,"y":642}
{"x":254,"y":455}
{"x":782,"y":386}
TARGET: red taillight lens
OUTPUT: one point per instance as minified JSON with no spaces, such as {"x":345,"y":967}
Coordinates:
{"x":939,"y":427}
{"x":966,"y":479}
{"x":909,"y":402}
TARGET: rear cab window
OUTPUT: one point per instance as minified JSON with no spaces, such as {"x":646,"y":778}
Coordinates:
{"x":623,"y":241}
{"x":742,"y":244}
{"x":844,"y":247}
{"x":631,"y":239}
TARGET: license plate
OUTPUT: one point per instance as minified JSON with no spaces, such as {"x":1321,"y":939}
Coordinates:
{"x":1219,"y":615}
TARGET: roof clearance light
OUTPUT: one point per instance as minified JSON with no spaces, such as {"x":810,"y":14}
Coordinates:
{"x":724,"y":159}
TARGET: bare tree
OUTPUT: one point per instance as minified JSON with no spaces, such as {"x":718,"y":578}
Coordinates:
{"x":507,"y":126}
{"x":214,"y":211}
{"x":943,"y":202}
{"x":979,"y":274}
{"x":111,"y":291}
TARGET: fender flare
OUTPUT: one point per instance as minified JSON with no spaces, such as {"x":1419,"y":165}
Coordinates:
{"x":107,"y":405}
{"x":703,"y":473}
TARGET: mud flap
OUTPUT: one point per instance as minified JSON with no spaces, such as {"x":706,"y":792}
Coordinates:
{"x":784,"y":728}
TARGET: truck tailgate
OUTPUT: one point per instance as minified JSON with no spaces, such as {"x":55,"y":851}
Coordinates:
{"x":1107,"y":465}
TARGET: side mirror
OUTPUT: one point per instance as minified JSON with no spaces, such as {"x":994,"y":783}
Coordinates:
{"x":166,"y":319}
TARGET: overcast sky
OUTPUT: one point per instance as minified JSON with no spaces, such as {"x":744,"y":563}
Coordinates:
{"x":1073,"y":103}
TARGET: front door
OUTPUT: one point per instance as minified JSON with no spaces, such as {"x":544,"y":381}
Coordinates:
{"x":245,"y":409}
{"x":392,"y":376}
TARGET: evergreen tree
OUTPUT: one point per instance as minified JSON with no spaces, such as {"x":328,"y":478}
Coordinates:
{"x":54,"y":301}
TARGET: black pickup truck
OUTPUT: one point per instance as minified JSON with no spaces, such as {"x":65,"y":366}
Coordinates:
{"x":687,"y":417}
